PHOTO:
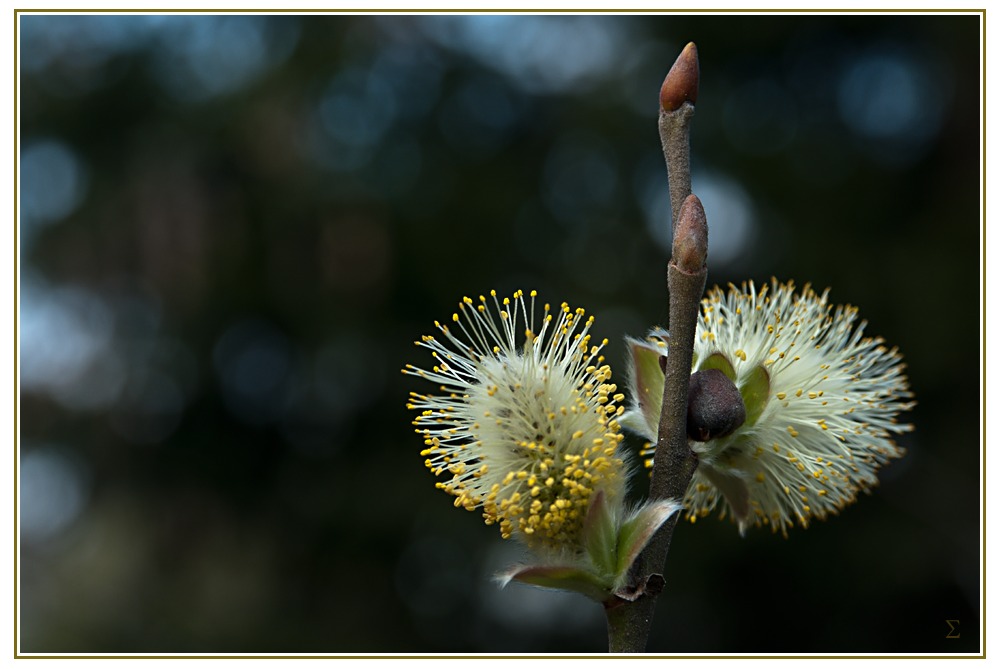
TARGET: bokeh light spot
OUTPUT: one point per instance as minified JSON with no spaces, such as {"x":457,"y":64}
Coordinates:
{"x":67,"y":337}
{"x":53,"y":491}
{"x":53,"y":183}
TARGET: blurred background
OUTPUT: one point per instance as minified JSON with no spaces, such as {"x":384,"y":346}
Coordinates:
{"x":232,"y":229}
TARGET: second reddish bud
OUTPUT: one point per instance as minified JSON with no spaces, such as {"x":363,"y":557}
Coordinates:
{"x":690,"y":247}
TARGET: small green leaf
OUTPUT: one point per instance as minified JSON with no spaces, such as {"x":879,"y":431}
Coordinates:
{"x":560,"y":577}
{"x":720,"y":362}
{"x":637,"y":530}
{"x":755,"y":390}
{"x":599,"y":534}
{"x":734,"y":489}
{"x":647,"y":383}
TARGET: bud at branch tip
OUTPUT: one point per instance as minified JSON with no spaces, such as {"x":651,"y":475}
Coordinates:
{"x":690,"y":246}
{"x":681,"y":83}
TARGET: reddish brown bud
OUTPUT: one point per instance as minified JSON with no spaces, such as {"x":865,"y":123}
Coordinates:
{"x":690,"y":246}
{"x":681,"y":84}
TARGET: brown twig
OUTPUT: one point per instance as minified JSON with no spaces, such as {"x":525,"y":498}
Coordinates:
{"x":629,"y":624}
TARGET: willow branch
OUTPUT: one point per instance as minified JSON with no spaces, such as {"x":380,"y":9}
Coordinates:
{"x":630,"y":622}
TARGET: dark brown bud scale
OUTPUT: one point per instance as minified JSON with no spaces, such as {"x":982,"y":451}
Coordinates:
{"x":681,"y":82}
{"x":715,"y":406}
